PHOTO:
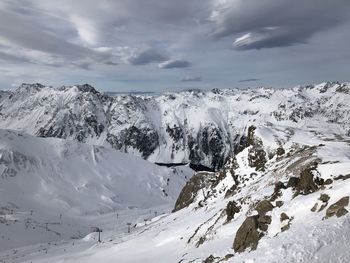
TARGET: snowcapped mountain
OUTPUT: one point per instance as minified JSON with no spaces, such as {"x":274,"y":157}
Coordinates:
{"x":282,"y":197}
{"x":68,"y":184}
{"x":191,"y":126}
{"x":281,"y":192}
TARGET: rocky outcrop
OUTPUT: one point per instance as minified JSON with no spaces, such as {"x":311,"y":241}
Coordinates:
{"x":306,"y":184}
{"x":263,"y":207}
{"x":197,"y":183}
{"x":338,"y":208}
{"x":231,"y":209}
{"x":256,"y":153}
{"x":324,"y":198}
{"x":247,"y":235}
{"x":253,"y":228}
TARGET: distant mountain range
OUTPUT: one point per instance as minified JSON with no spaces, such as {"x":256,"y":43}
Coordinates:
{"x":200,"y":127}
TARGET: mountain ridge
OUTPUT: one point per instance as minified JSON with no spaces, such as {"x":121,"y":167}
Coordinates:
{"x":200,"y":127}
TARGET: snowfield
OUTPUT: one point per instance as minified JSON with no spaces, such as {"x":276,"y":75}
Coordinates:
{"x":68,"y":184}
{"x":281,"y":196}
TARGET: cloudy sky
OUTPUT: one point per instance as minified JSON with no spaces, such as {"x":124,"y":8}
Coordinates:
{"x":157,"y":45}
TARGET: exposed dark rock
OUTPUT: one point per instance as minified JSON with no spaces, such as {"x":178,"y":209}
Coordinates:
{"x":231,"y":209}
{"x":343,"y":89}
{"x":342,"y":212}
{"x":277,"y":191}
{"x":201,"y":168}
{"x":306,"y":184}
{"x":93,"y":123}
{"x":257,"y":158}
{"x":284,"y":216}
{"x":278,"y":186}
{"x":228,"y":256}
{"x":280,"y":151}
{"x":293,"y":182}
{"x":247,"y":235}
{"x":342,"y":177}
{"x":209,"y":142}
{"x":328,"y":181}
{"x":210,"y":259}
{"x":245,"y":140}
{"x":338,"y":208}
{"x":230,"y":192}
{"x":175,"y":132}
{"x":87,"y":88}
{"x":263,"y":222}
{"x":256,"y":154}
{"x":264,"y":219}
{"x":250,"y":137}
{"x":263,"y":227}
{"x":190,"y":190}
{"x":145,"y":140}
{"x":279,"y":203}
{"x":201,"y":241}
{"x":314,"y":208}
{"x":286,"y":227}
{"x":263,"y":207}
{"x":324,"y":198}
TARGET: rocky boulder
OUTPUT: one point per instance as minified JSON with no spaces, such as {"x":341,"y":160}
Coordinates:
{"x":338,"y":208}
{"x":247,"y":235}
{"x":231,"y":209}
{"x":306,"y":184}
{"x":263,"y":207}
{"x":324,"y":198}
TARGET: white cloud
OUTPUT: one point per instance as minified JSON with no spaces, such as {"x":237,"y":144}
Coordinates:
{"x":86,"y":29}
{"x":174,"y":63}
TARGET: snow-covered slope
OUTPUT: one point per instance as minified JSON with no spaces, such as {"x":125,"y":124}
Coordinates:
{"x":283,"y":197}
{"x":190,"y":126}
{"x":67,"y":184}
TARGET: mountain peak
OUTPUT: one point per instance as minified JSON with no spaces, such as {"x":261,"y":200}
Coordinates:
{"x":87,"y":88}
{"x":30,"y":87}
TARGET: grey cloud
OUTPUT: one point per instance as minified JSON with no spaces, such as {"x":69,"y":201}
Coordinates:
{"x":191,"y":79}
{"x":248,"y":80}
{"x":146,"y":56}
{"x":270,"y":23}
{"x":26,"y":34}
{"x":88,"y":34}
{"x":31,"y":37}
{"x":176,"y":63}
{"x":12,"y":58}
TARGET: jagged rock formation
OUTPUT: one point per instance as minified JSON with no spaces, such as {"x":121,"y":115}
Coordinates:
{"x":300,"y":167}
{"x":190,"y":191}
{"x":191,"y":126}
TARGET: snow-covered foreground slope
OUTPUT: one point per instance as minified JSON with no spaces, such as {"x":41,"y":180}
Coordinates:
{"x":284,"y":197}
{"x":190,"y":126}
{"x":53,"y":189}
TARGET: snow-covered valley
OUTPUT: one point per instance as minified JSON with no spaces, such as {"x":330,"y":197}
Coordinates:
{"x":280,"y":194}
{"x":54,"y":189}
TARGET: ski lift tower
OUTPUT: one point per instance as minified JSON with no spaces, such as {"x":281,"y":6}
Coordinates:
{"x":97,"y":230}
